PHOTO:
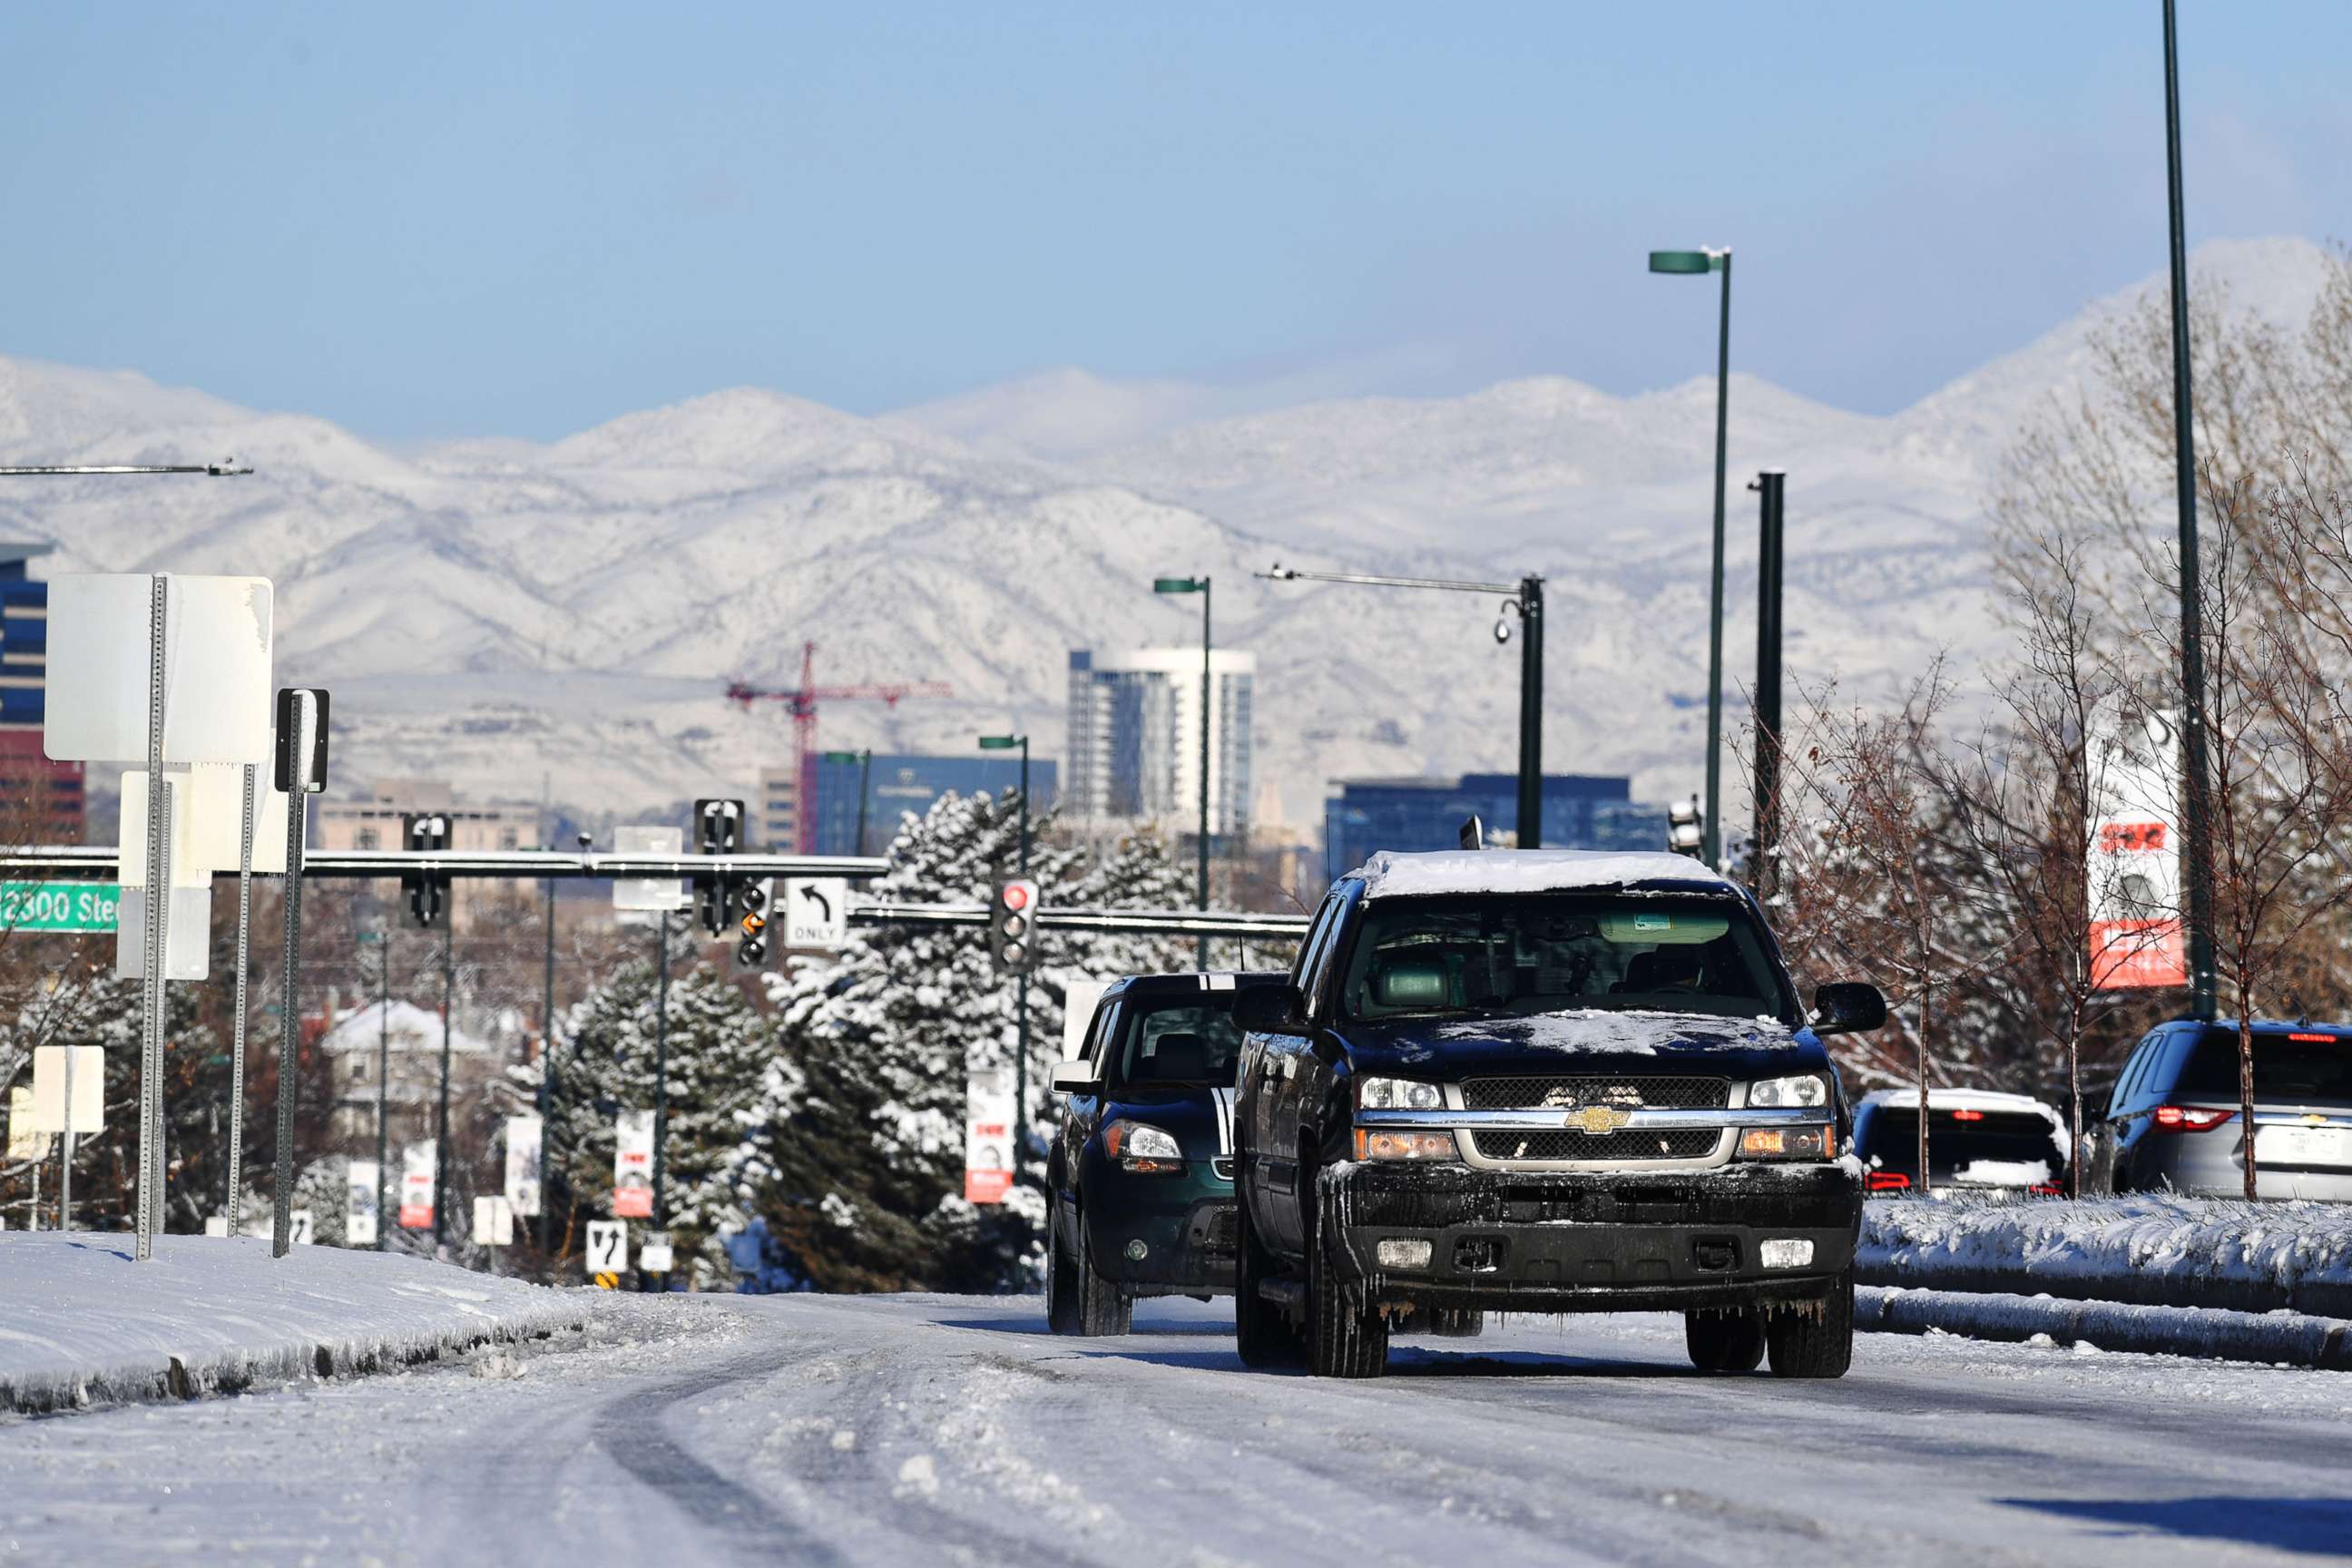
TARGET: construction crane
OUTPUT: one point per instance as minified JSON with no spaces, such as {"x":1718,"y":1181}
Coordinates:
{"x":801,"y":703}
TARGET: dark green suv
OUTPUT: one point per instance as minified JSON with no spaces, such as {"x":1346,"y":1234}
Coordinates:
{"x":1140,"y":1185}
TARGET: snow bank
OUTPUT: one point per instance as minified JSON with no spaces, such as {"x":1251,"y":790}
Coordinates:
{"x":2271,"y":1339}
{"x":83,"y":1324}
{"x":1393,"y":874}
{"x":2146,"y":1249}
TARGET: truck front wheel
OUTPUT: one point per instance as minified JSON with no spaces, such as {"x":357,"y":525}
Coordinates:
{"x":1346,"y":1335}
{"x":1815,"y":1339}
{"x":1730,"y":1340}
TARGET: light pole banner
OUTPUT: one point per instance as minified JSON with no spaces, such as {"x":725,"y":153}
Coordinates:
{"x":2137,"y":934}
{"x":988,"y":1136}
{"x":523,"y":1134}
{"x":633,"y":1166}
{"x":359,"y":1210}
{"x":416,"y":1186}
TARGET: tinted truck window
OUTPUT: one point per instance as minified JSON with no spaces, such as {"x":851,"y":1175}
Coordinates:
{"x":2315,"y":1072}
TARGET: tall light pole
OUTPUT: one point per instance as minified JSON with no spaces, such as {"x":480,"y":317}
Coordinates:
{"x":1713,"y":259}
{"x":1198,"y":585}
{"x":1021,"y":987}
{"x":2196,"y":840}
{"x":1523,"y":599}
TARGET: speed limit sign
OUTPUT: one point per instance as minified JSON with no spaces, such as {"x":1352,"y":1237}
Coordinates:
{"x":608,"y":1246}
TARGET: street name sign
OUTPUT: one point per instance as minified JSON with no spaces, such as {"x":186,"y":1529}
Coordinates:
{"x":59,"y":906}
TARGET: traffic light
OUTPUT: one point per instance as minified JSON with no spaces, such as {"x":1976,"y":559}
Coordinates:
{"x":1685,"y":827}
{"x":719,"y":830}
{"x":1012,"y":926}
{"x":749,"y":908}
{"x":428,"y":891}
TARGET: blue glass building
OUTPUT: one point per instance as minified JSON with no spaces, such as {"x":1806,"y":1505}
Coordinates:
{"x":1581,"y":811}
{"x":897,"y":784}
{"x":24,"y":768}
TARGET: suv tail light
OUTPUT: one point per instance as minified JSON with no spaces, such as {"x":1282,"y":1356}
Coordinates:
{"x":2047,"y":1190}
{"x":2189,"y":1118}
{"x":1887,"y":1182}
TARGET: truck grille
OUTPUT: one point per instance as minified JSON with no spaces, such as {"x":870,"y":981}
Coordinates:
{"x":1688,"y":1144}
{"x":1561,"y":1091}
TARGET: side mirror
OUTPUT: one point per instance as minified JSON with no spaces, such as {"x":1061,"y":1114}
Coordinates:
{"x":1269,"y":1009}
{"x":1848,"y":1007}
{"x":1076,"y":1076}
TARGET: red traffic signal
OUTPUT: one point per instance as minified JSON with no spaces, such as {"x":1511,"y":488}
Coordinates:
{"x":1010,"y":944}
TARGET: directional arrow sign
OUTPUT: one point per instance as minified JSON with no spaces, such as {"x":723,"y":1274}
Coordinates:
{"x":816,"y":914}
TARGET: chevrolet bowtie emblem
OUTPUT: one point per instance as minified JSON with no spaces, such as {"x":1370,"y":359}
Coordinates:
{"x":1599,"y":1119}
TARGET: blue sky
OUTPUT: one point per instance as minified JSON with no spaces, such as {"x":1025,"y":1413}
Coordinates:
{"x":425,"y":220}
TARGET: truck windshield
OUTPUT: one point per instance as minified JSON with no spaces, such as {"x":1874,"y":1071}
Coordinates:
{"x":1551,"y":952}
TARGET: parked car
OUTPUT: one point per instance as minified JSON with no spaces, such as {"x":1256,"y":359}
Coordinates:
{"x":1976,"y":1138}
{"x":2172,"y":1121}
{"x":1140,"y":1189}
{"x":1544,"y":1081}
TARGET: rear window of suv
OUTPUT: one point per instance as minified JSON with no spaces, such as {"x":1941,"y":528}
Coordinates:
{"x":2016,"y":1146}
{"x":2307,"y":1071}
{"x":1539,"y":952}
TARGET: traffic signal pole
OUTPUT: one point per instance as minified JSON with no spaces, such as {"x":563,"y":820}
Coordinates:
{"x":1531,"y":652}
{"x":1771,"y":485}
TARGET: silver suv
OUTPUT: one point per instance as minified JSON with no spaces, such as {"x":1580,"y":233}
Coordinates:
{"x":2172,"y":1120}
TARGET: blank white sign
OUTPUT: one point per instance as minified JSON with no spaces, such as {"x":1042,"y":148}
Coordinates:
{"x":217,"y":674}
{"x":49,"y":1109}
{"x":646,"y":892}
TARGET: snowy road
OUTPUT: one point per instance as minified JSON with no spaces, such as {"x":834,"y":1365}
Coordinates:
{"x":919,"y":1430}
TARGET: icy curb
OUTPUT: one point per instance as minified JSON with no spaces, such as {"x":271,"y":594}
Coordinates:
{"x":2147,"y":1249}
{"x":2270,"y":1339}
{"x":82,"y":1325}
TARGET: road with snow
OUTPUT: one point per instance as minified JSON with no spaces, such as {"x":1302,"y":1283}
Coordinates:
{"x":920,"y":1430}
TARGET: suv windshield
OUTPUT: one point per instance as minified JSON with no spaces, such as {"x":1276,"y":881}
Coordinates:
{"x":1544,"y":952}
{"x":1177,"y":1042}
{"x":2299,"y":1072}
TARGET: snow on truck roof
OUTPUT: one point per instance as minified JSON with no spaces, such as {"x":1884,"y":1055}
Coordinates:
{"x":1395,"y":874}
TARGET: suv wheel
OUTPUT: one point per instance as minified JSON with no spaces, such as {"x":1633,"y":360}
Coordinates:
{"x":1346,"y":1336}
{"x":1724,"y":1341}
{"x":1061,"y":1278}
{"x":1103,"y":1307}
{"x":1816,"y":1340}
{"x":1263,"y":1331}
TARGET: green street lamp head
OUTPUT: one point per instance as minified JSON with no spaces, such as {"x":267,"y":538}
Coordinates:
{"x":1686,"y":261}
{"x":841,"y":757}
{"x":1000,"y":742}
{"x":1177,"y":584}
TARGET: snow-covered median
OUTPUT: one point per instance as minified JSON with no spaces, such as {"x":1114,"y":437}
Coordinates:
{"x":83,"y":1324}
{"x":2146,"y":1250}
{"x":2271,"y":1339}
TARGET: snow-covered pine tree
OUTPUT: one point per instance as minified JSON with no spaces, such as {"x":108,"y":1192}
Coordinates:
{"x":858,"y":1165}
{"x":719,"y":1049}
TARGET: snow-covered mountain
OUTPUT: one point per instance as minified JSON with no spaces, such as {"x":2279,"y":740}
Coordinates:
{"x":505,"y":612}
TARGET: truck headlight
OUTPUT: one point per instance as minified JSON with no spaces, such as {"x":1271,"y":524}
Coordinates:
{"x":1142,"y":1148}
{"x":1785,"y":1092}
{"x":1397,"y":1094}
{"x":1398,"y":1143}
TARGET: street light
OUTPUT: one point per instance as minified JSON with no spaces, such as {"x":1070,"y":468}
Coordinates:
{"x":225,"y":468}
{"x":865,"y":760}
{"x":1021,"y":987}
{"x":1713,"y":259}
{"x":1525,"y":600}
{"x":1198,"y":585}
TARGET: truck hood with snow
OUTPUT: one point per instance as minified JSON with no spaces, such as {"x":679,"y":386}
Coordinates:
{"x":1589,"y":1039}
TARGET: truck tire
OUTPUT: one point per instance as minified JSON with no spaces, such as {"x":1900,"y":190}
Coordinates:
{"x":1103,"y":1308}
{"x":1263,"y":1331}
{"x":1457,"y":1322}
{"x":1346,"y":1335}
{"x":1816,"y":1340}
{"x":1724,"y":1341}
{"x":1061,"y":1278}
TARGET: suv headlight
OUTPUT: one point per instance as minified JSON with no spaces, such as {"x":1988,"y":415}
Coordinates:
{"x":1788,"y":1092}
{"x":1397,"y":1094}
{"x":1142,"y":1148}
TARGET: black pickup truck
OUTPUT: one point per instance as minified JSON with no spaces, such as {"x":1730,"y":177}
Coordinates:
{"x":1544,"y":1081}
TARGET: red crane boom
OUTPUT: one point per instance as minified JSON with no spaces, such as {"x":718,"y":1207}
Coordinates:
{"x":801,"y":703}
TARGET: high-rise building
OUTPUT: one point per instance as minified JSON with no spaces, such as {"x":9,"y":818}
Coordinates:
{"x":896,"y":785}
{"x":1135,"y":737}
{"x":52,"y":795}
{"x":776,"y":813}
{"x":1581,"y":811}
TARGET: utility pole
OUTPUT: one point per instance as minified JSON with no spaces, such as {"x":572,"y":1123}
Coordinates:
{"x":661,"y":1067}
{"x":546,"y":1070}
{"x":441,"y":1121}
{"x":383,"y":1217}
{"x":1772,"y":485}
{"x":1531,"y":652}
{"x":2197,"y":796}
